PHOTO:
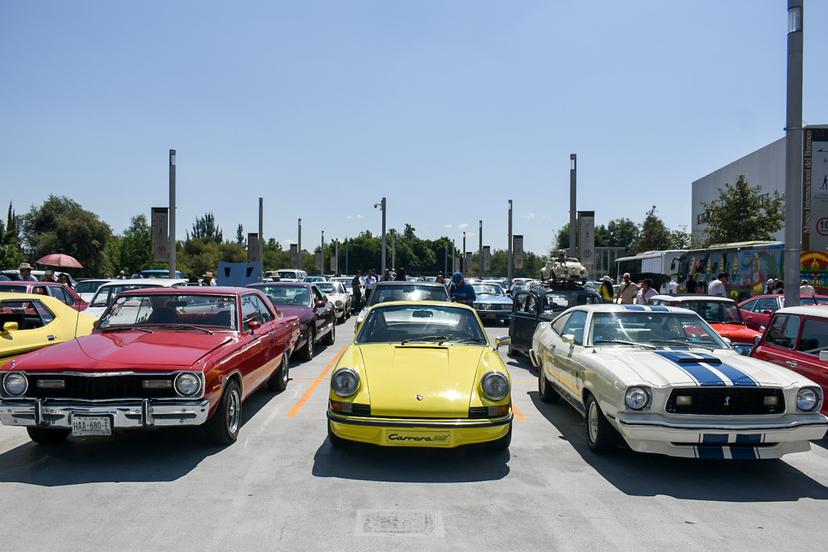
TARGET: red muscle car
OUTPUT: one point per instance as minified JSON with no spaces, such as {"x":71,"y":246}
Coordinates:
{"x":61,"y":292}
{"x":157,"y":357}
{"x":759,"y":308}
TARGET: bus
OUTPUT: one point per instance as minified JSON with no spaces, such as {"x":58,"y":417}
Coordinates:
{"x":656,"y":265}
{"x":749,"y":265}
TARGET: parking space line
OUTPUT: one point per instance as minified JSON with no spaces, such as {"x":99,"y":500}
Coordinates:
{"x":518,"y":414}
{"x":304,"y":398}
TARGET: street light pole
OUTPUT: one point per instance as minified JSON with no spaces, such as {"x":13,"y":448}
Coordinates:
{"x":480,"y":252}
{"x":347,"y":271}
{"x":394,"y":250}
{"x":299,"y":246}
{"x":573,"y":185}
{"x":382,"y":205}
{"x":793,"y":155}
{"x":322,"y":252}
{"x":172,"y":213}
{"x":261,"y":234}
{"x":335,"y":264}
{"x":509,"y":251}
{"x":463,"y":255}
{"x":445,"y":262}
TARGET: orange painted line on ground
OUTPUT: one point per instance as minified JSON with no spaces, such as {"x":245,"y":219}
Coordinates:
{"x":518,"y":414}
{"x":301,"y":402}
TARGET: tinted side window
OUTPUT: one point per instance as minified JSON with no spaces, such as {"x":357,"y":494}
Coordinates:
{"x":558,"y":324}
{"x":46,"y":316}
{"x":531,"y":303}
{"x":814,"y":336}
{"x":249,"y":311}
{"x":750,"y":305}
{"x":766,"y":303}
{"x":782,"y":331}
{"x":575,"y":326}
{"x":519,"y":302}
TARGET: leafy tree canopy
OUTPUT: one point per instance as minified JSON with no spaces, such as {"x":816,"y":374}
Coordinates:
{"x":743,"y":213}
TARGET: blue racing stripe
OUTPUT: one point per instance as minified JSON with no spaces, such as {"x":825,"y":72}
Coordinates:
{"x":714,"y":439}
{"x":634,"y":308}
{"x":710,"y":452}
{"x":749,"y":439}
{"x":735,"y":375}
{"x":743,"y":453}
{"x":702,"y":374}
{"x":659,"y":308}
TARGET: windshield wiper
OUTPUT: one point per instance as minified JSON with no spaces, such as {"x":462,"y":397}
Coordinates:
{"x":125,"y":328}
{"x":683,"y":343}
{"x":467,"y":340}
{"x":185,"y":327}
{"x":624,"y":342}
{"x":439,"y":338}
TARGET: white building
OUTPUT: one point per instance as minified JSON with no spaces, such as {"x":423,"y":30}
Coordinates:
{"x":764,"y":167}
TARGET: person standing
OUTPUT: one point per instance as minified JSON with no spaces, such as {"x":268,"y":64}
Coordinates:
{"x":645,"y":292}
{"x":440,"y":279}
{"x":628,"y":291}
{"x":400,"y":277}
{"x":806,"y":289}
{"x":49,"y":276}
{"x":63,"y":278}
{"x":370,"y":284}
{"x":671,"y":287}
{"x":692,"y":285}
{"x":607,"y":293}
{"x":461,"y":291}
{"x":718,"y":287}
{"x":770,"y":286}
{"x":356,"y":287}
{"x":26,"y":275}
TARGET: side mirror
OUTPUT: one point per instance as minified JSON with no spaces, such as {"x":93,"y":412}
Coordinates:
{"x":767,"y":311}
{"x":319,"y":303}
{"x":823,"y":356}
{"x":756,"y":340}
{"x":502,"y":340}
{"x":254,"y":325}
{"x":568,"y":338}
{"x":10,"y":327}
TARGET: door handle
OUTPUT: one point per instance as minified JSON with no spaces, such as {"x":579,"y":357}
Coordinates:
{"x":792,"y":363}
{"x":750,"y":317}
{"x":50,"y":338}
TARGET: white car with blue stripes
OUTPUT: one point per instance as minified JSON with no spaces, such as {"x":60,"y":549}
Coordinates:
{"x":663,"y":381}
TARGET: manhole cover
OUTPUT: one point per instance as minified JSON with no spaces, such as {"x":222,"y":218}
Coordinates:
{"x":403,"y":523}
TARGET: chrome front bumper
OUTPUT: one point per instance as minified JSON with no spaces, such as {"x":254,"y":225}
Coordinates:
{"x":124,"y":415}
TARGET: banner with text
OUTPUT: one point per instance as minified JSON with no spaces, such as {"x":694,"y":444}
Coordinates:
{"x":517,"y":251}
{"x":815,"y":191}
{"x":160,"y":233}
{"x":253,"y":248}
{"x":586,"y":240}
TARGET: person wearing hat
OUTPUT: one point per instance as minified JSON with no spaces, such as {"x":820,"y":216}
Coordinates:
{"x":628,"y":290}
{"x":122,"y":275}
{"x":460,"y":291}
{"x":49,"y":276}
{"x":806,"y":289}
{"x":607,"y":293}
{"x":208,"y":279}
{"x":26,"y":275}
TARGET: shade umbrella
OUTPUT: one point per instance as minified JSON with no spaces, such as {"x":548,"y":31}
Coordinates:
{"x":59,"y":260}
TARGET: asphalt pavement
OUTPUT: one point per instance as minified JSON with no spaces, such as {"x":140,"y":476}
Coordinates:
{"x":282,"y":487}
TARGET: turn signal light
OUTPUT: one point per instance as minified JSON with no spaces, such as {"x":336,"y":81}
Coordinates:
{"x":341,"y":407}
{"x":684,"y":400}
{"x":156,"y":384}
{"x":497,"y":411}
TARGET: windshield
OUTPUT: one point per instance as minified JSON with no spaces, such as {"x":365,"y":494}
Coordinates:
{"x":559,"y":301}
{"x":106,"y":294}
{"x":330,"y":287}
{"x":487,"y":289}
{"x":384,"y":294}
{"x":405,"y":323}
{"x":89,"y":286}
{"x":652,"y":328}
{"x":287,"y":274}
{"x":715,"y":312}
{"x":198,"y":311}
{"x":287,"y":295}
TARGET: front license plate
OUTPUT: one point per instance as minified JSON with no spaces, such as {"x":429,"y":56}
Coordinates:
{"x":417,"y":438}
{"x":91,"y":425}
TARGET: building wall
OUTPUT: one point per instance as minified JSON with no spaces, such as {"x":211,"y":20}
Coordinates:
{"x":764,"y":167}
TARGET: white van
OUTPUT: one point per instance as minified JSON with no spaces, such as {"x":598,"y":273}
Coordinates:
{"x":286,"y":275}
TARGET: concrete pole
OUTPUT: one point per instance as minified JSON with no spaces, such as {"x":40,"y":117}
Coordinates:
{"x":509,"y":252}
{"x":480,"y":252}
{"x":463,"y":256}
{"x":335,"y":264}
{"x":347,"y":271}
{"x":573,"y":184}
{"x":261,"y":234}
{"x":322,"y":251}
{"x":299,"y":245}
{"x":172,"y":213}
{"x":394,"y":250}
{"x":382,"y":206}
{"x":793,"y":154}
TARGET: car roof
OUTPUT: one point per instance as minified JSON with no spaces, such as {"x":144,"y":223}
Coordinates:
{"x":807,"y":310}
{"x":409,"y":284}
{"x":692,"y":298}
{"x":614,"y":307}
{"x":421,"y":303}
{"x":188,"y":290}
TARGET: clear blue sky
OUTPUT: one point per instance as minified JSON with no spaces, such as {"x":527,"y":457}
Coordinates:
{"x":448,"y":108}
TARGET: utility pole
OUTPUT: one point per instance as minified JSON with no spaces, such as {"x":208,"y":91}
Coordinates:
{"x":382,"y":206}
{"x":445,"y":263}
{"x":172,"y":214}
{"x":299,"y":245}
{"x":335,"y":264}
{"x":793,"y":155}
{"x":509,"y":252}
{"x":394,"y":250}
{"x":480,"y":252}
{"x":346,"y":257}
{"x":453,"y":250}
{"x":463,"y":255}
{"x":322,"y":252}
{"x":261,"y":235}
{"x":573,"y":185}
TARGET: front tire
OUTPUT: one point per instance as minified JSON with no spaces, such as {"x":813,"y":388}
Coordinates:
{"x":306,"y":352}
{"x":223,"y":427}
{"x":331,"y":336}
{"x":48,"y":435}
{"x":503,"y":442}
{"x":602,"y":438}
{"x":279,"y":379}
{"x":546,"y":392}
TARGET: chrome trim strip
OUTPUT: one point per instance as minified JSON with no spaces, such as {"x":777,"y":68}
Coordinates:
{"x":435,"y":423}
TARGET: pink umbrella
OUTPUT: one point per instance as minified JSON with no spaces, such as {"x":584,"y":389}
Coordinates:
{"x":60,"y":260}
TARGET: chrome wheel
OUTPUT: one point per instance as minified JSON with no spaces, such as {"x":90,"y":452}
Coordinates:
{"x":285,"y":368}
{"x":593,"y":421}
{"x":233,"y":411}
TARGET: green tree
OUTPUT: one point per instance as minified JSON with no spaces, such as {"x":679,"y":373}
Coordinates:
{"x":135,"y":247}
{"x":654,"y":234}
{"x":240,"y":235}
{"x":743,"y":213}
{"x":61,"y":225}
{"x":562,"y":239}
{"x":11,"y":254}
{"x":205,"y":228}
{"x":622,"y":232}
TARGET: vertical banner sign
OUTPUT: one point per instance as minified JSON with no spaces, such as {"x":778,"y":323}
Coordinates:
{"x":487,"y":258}
{"x":335,"y":260}
{"x":586,"y":240}
{"x":160,"y":234}
{"x":517,"y":251}
{"x":455,"y":266}
{"x":815,"y":191}
{"x":467,"y":263}
{"x":253,"y":248}
{"x":294,"y":254}
{"x":320,"y":260}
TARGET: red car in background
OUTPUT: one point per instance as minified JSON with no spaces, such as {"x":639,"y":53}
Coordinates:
{"x":157,"y":357}
{"x":759,"y":308}
{"x":797,"y":338}
{"x":61,"y":292}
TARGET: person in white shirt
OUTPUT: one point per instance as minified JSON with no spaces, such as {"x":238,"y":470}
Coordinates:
{"x":671,"y":287}
{"x":370,"y":284}
{"x":806,"y":289}
{"x":26,"y":272}
{"x":719,"y":285}
{"x":645,"y":292}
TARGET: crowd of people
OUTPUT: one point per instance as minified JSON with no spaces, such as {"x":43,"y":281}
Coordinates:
{"x":26,"y":275}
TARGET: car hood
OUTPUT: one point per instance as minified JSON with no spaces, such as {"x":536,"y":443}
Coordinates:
{"x":485,"y":298}
{"x":696,"y":367}
{"x":102,"y":352}
{"x":737,"y":333}
{"x":443,"y":376}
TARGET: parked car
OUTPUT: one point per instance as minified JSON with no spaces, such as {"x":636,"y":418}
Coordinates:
{"x":157,"y":357}
{"x":538,"y":304}
{"x":421,"y":374}
{"x":158,"y":273}
{"x":316,"y":278}
{"x":32,"y":321}
{"x":492,"y":303}
{"x":107,"y":293}
{"x":87,"y":288}
{"x":402,"y":291}
{"x":61,"y":292}
{"x":662,"y":380}
{"x":336,"y":294}
{"x":797,"y":339}
{"x":759,"y":308}
{"x":316,"y":315}
{"x":286,"y":275}
{"x":722,"y":313}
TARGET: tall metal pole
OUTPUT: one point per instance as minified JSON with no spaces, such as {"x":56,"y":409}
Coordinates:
{"x":480,"y":252}
{"x":509,"y":261}
{"x":335,"y":264}
{"x":445,"y":262}
{"x":573,"y":184}
{"x":261,"y":234}
{"x":453,"y":250}
{"x":793,"y":154}
{"x":172,"y":213}
{"x":393,"y":250}
{"x":322,"y":252}
{"x":382,"y":206}
{"x":299,"y":245}
{"x":347,"y":271}
{"x":463,"y":256}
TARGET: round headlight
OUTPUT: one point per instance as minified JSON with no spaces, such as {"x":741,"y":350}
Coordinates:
{"x":15,"y":384}
{"x":495,"y":386}
{"x":345,"y":382}
{"x":338,"y":303}
{"x":807,"y":399}
{"x":637,"y":398}
{"x":187,"y":384}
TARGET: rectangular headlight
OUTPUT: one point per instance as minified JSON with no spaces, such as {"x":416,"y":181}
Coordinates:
{"x":51,"y":384}
{"x":770,"y":401}
{"x":156,"y":384}
{"x":684,"y":400}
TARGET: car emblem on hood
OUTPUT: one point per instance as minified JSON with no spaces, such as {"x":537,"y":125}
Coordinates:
{"x":419,"y":397}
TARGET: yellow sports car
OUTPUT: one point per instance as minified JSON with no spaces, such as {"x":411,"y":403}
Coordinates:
{"x":29,"y":322}
{"x":421,"y":374}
